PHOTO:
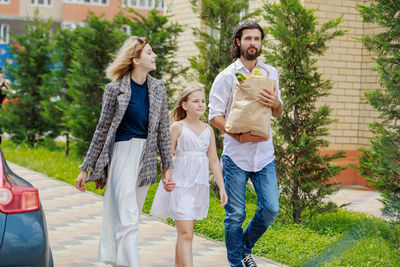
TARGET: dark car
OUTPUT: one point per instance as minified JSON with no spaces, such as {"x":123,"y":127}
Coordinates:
{"x":23,"y":230}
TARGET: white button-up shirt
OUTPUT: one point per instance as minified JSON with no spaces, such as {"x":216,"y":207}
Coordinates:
{"x":249,"y":156}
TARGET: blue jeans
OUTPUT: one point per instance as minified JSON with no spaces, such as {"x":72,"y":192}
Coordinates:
{"x":265,"y":184}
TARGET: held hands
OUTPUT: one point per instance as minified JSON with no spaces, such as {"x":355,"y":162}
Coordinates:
{"x":166,"y":177}
{"x":80,"y":181}
{"x":269,"y":99}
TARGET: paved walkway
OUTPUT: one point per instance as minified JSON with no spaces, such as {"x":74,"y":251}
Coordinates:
{"x":361,"y":199}
{"x":74,"y":222}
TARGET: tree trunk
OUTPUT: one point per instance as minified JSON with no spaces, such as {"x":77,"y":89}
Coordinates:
{"x":66,"y":145}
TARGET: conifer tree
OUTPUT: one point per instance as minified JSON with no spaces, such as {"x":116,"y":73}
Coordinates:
{"x":162,"y":36}
{"x":92,"y":50}
{"x":297,"y":42}
{"x":22,"y":117}
{"x":220,"y":18}
{"x":380,"y":163}
{"x":55,"y":85}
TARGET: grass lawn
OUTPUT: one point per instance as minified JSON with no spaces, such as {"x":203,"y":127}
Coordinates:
{"x":341,"y":238}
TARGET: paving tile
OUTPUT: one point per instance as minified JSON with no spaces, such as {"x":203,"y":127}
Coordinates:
{"x":360,"y":199}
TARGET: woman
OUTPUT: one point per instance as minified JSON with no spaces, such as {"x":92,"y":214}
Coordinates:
{"x":123,"y":152}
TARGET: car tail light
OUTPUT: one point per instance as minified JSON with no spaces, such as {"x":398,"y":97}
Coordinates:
{"x":16,"y":198}
{"x":5,"y":196}
{"x":23,"y":199}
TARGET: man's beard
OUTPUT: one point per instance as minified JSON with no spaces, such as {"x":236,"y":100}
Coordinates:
{"x":249,"y":56}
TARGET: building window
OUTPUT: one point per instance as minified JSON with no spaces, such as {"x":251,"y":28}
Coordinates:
{"x":4,"y":34}
{"x":71,"y":25}
{"x":88,"y":2}
{"x":41,"y":2}
{"x":5,"y":2}
{"x":144,"y":4}
{"x":126,"y":29}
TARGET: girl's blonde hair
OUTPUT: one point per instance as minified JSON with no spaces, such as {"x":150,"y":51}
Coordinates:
{"x":132,"y":48}
{"x":178,"y":113}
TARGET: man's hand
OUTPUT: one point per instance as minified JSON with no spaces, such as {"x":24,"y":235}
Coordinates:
{"x":219,"y":122}
{"x":249,"y":137}
{"x":268,"y":98}
{"x":271,"y":100}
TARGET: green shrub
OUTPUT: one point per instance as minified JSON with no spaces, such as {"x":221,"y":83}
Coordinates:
{"x":51,"y":162}
{"x":22,"y":118}
{"x":298,"y":40}
{"x":380,"y":163}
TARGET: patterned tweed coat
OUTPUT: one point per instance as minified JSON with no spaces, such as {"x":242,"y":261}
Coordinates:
{"x":115,"y":102}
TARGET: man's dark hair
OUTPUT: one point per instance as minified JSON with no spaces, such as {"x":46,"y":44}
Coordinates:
{"x":235,"y":49}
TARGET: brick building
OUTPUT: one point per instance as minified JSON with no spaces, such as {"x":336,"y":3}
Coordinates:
{"x":14,"y":13}
{"x":346,"y":63}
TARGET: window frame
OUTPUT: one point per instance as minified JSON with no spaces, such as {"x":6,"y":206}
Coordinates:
{"x":126,"y":29}
{"x":91,"y":2}
{"x":7,"y":39}
{"x":128,"y":4}
{"x":71,"y":25}
{"x":46,"y":4}
{"x":5,"y":2}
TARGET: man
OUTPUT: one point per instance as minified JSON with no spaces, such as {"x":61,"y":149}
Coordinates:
{"x":246,"y":155}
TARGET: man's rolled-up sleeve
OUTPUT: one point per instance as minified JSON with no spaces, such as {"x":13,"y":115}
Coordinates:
{"x":219,"y":97}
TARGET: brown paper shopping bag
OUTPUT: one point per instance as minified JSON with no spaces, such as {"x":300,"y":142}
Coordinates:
{"x":247,"y":114}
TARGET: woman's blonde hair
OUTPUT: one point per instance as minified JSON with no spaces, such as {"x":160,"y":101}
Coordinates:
{"x":132,"y":48}
{"x":178,"y":113}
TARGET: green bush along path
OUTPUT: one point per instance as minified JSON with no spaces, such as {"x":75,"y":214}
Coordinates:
{"x":341,"y":238}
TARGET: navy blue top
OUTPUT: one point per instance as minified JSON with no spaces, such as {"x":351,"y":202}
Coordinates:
{"x":136,"y":118}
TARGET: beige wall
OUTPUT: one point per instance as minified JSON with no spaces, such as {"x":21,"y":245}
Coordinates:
{"x":346,"y":63}
{"x":53,"y":11}
{"x":181,"y":12}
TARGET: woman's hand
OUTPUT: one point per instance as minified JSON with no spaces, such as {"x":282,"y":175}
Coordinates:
{"x":223,"y":197}
{"x":166,"y":177}
{"x":80,"y":181}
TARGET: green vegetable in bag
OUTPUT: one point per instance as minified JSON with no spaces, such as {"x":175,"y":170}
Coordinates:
{"x":240,"y":76}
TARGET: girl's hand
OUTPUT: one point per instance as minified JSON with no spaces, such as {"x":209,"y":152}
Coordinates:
{"x":80,"y":181}
{"x":223,"y":197}
{"x":168,"y":183}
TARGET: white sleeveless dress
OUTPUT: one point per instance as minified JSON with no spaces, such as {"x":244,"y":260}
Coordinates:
{"x":190,"y":198}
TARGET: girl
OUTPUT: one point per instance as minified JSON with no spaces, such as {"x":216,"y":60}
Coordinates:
{"x":133,"y":123}
{"x":193,"y":144}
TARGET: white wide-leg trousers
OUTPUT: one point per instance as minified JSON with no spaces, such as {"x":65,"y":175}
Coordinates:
{"x":123,"y":202}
